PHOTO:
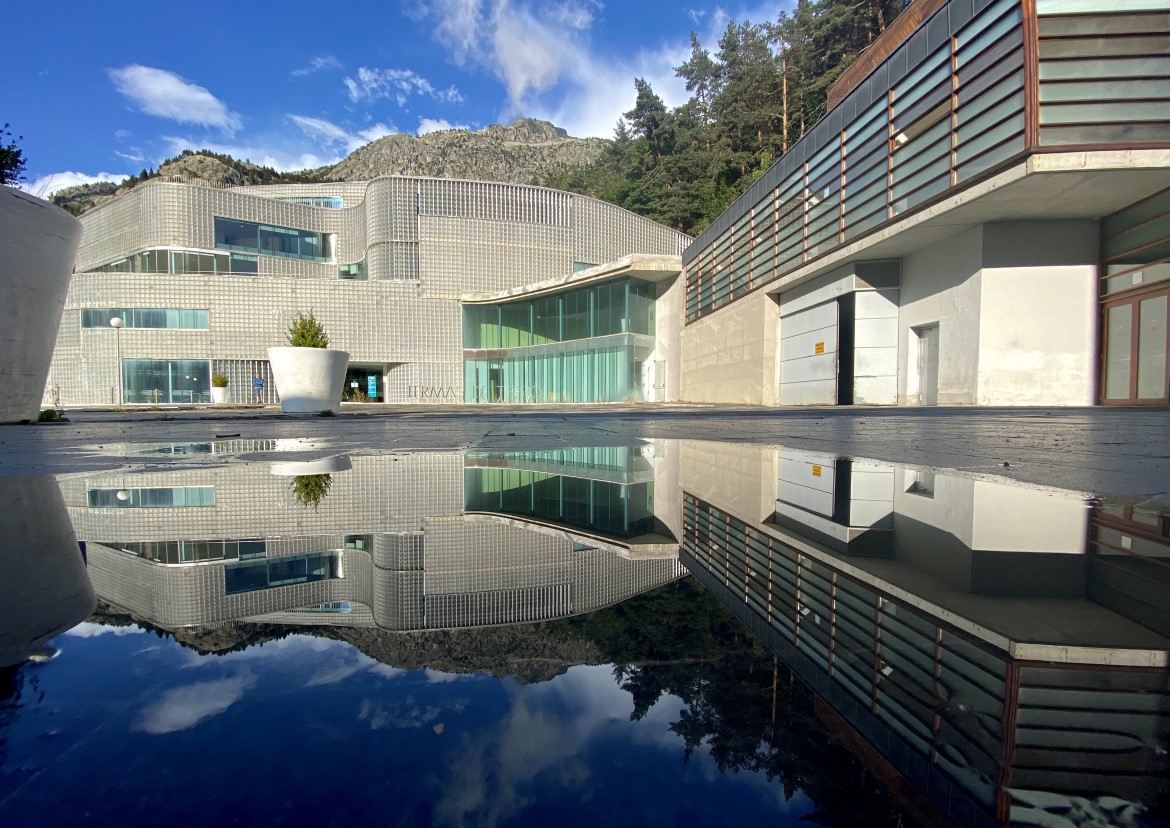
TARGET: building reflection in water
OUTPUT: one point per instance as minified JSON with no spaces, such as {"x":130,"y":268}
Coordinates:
{"x":996,"y":653}
{"x":400,"y":542}
{"x":1000,"y":650}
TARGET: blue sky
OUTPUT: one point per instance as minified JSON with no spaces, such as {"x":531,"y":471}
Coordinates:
{"x":100,"y":90}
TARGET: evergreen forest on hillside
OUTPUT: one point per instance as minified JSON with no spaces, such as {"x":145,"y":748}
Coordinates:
{"x":751,"y":99}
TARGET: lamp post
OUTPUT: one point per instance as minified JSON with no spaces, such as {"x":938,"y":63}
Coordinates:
{"x":116,"y":323}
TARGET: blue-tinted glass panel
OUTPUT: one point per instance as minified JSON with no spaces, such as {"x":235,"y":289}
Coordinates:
{"x":620,"y":510}
{"x":173,"y":318}
{"x":285,"y":571}
{"x":331,"y":202}
{"x":152,"y":498}
{"x":272,"y":240}
{"x":157,"y":381}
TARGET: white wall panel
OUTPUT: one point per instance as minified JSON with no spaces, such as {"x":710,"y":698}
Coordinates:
{"x":806,"y":376}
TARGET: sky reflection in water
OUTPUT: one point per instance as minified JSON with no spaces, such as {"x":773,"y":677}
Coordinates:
{"x":305,"y":730}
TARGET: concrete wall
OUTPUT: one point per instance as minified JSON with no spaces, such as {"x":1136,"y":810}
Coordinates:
{"x":668,"y":320}
{"x":941,"y":286}
{"x":1038,"y":320}
{"x":38,"y":243}
{"x":740,"y":479}
{"x":1016,"y":308}
{"x":730,"y":356}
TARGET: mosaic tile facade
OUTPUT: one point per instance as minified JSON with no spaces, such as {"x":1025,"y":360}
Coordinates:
{"x":424,"y":242}
{"x":409,"y":557}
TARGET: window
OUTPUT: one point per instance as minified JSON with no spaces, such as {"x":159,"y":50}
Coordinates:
{"x":331,"y":202}
{"x":272,"y":240}
{"x":166,"y":260}
{"x":286,"y":571}
{"x":172,"y":318}
{"x":357,"y":270}
{"x":169,"y":497}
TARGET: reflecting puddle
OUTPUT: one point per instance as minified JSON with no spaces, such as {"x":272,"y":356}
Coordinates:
{"x":514,"y":638}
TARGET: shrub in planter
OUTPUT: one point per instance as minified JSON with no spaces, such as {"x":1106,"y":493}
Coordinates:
{"x":219,"y":385}
{"x":306,"y":332}
{"x":308,"y":373}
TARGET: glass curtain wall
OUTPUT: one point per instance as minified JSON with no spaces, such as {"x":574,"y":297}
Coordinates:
{"x":615,"y":509}
{"x":277,"y":572}
{"x":157,"y":381}
{"x":578,"y":346}
{"x":1104,"y":72}
{"x":180,"y":261}
{"x":271,"y":240}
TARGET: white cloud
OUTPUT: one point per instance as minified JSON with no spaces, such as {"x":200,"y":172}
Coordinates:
{"x":532,"y":739}
{"x":373,"y":84}
{"x":185,"y":707}
{"x":134,"y":156}
{"x":346,"y":663}
{"x":166,"y":95}
{"x":543,"y":56}
{"x":321,"y":63}
{"x":429,"y":125}
{"x":46,"y":185}
{"x":600,"y":90}
{"x":574,"y":15}
{"x":88,"y":629}
{"x":406,"y":714}
{"x":332,"y":136}
{"x":439,"y":677}
{"x":388,"y":672}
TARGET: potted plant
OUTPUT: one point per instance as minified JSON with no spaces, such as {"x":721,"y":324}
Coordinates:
{"x":309,"y":375}
{"x":219,"y":388}
{"x":38,"y":244}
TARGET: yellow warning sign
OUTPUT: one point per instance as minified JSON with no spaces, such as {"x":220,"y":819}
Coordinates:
{"x":820,"y":349}
{"x":816,"y":471}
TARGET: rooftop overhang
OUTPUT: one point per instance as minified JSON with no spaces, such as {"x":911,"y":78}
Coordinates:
{"x":639,"y":266}
{"x":1045,"y":186}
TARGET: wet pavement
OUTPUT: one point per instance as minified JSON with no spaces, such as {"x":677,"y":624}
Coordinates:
{"x":1115,"y":451}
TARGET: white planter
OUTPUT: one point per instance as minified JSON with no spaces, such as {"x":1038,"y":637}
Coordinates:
{"x":326,"y":465}
{"x":38,"y":245}
{"x":308,"y":379}
{"x":219,"y":395}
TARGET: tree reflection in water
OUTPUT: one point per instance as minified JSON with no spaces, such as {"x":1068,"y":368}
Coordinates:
{"x":743,"y":704}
